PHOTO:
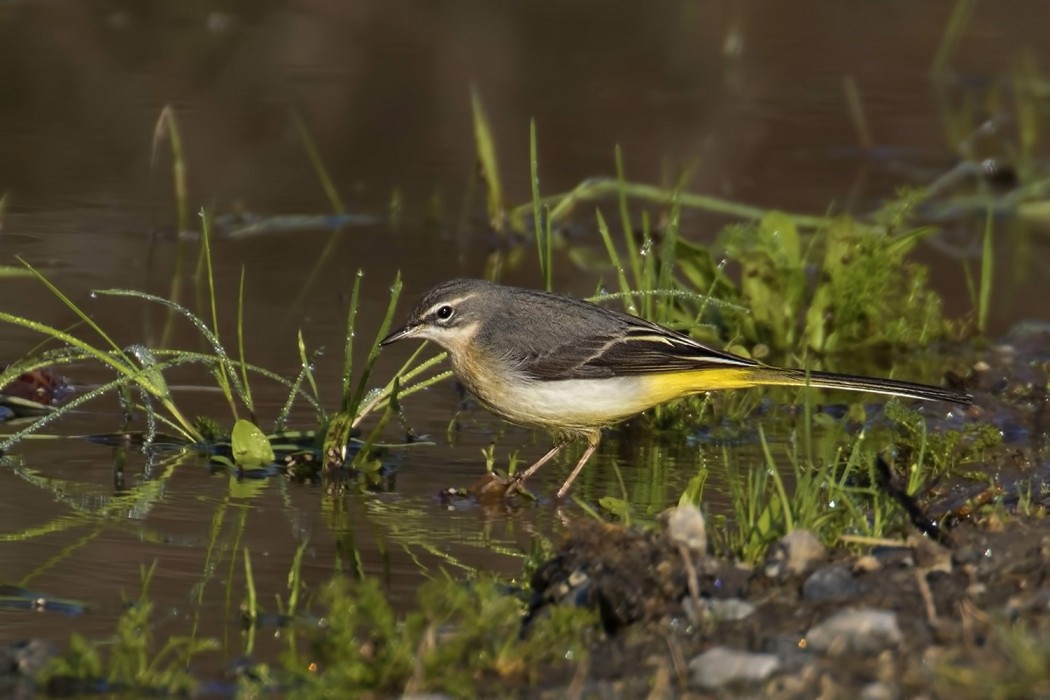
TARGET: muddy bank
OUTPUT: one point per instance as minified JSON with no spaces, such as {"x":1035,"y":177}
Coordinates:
{"x":891,"y":621}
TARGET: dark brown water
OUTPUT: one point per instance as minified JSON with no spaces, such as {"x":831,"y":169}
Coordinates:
{"x":751,"y":95}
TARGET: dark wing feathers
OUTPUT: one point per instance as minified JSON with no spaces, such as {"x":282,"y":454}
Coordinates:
{"x":616,"y":344}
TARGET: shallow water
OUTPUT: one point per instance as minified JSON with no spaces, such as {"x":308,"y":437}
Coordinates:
{"x":752,"y":97}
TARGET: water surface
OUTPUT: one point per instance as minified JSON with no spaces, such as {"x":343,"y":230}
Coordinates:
{"x":750,"y":95}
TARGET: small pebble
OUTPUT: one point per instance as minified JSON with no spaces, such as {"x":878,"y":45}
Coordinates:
{"x":721,"y":666}
{"x":686,"y":526}
{"x":860,"y":631}
{"x":866,"y":564}
{"x":878,"y":691}
{"x":794,"y":554}
{"x":930,"y":555}
{"x":835,"y":582}
{"x":717,"y":609}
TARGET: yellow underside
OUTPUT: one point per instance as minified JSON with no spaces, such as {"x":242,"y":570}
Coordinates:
{"x":584,"y":405}
{"x":673,"y":385}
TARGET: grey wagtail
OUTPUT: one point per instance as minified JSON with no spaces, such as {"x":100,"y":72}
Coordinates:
{"x":550,"y":361}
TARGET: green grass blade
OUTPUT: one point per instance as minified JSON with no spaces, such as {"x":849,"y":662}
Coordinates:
{"x":118,"y":360}
{"x":252,"y":603}
{"x":168,"y":126}
{"x":987,"y":274}
{"x":224,"y":367}
{"x":71,"y":405}
{"x":598,"y":188}
{"x":668,"y":248}
{"x":294,"y":390}
{"x":373,"y":353}
{"x":614,"y":258}
{"x":9,"y":272}
{"x":307,"y":368}
{"x":407,"y":373}
{"x":543,"y":250}
{"x":318,"y":164}
{"x":222,"y":356}
{"x":348,"y":349}
{"x":295,"y":579}
{"x":648,"y":281}
{"x":486,"y":151}
{"x":77,"y":310}
{"x":625,"y":219}
{"x":187,"y":357}
{"x":240,"y":346}
{"x":391,"y":408}
{"x":855,"y":107}
{"x":953,"y":31}
{"x":310,"y":279}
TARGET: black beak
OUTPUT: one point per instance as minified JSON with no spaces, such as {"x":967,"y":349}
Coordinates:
{"x":400,"y":334}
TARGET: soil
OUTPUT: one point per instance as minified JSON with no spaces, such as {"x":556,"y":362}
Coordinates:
{"x":953,"y":607}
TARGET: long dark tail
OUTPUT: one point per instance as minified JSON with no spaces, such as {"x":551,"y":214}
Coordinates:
{"x":852,"y":382}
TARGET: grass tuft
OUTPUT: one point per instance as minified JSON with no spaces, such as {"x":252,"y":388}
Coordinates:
{"x":133,"y":664}
{"x":487,"y":165}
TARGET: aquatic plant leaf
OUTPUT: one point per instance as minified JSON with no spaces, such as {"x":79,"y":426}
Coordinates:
{"x":617,"y":506}
{"x":694,"y":490}
{"x":150,"y":370}
{"x":772,"y":279}
{"x":251,"y":447}
{"x":867,"y":292}
{"x":779,"y":234}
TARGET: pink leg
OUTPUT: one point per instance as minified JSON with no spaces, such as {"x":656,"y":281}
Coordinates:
{"x":592,"y":445}
{"x":522,"y":476}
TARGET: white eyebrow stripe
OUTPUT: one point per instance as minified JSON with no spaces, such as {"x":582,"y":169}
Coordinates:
{"x":447,"y":302}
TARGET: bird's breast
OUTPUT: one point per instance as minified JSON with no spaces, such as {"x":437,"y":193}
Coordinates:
{"x":567,"y":405}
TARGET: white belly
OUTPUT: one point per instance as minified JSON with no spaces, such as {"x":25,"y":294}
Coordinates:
{"x":571,"y":404}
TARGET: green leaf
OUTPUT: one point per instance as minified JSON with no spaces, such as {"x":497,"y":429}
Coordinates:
{"x":694,"y":490}
{"x":251,"y":447}
{"x":617,"y":506}
{"x":780,"y":236}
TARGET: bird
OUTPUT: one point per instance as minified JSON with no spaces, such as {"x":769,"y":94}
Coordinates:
{"x":572,"y":367}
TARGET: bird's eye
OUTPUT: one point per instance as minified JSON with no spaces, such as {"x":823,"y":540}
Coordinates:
{"x":444,"y":313}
